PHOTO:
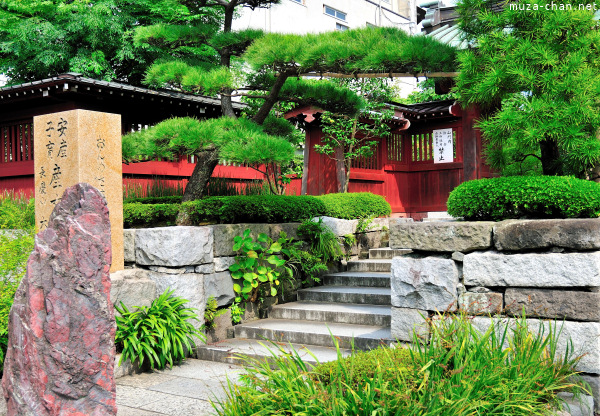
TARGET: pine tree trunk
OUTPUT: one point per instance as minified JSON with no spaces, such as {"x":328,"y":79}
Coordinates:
{"x":271,"y":99}
{"x":226,"y":102}
{"x":550,"y":158}
{"x":206,"y":161}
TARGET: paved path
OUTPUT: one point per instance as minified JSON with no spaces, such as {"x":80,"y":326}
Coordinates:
{"x":184,"y":390}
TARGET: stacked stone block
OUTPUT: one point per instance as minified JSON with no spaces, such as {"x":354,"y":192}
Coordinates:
{"x":549,"y":269}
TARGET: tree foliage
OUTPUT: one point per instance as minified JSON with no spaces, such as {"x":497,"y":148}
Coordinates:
{"x":43,"y":38}
{"x":537,"y":74}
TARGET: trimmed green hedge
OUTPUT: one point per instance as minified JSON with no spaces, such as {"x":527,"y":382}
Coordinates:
{"x":355,"y":205}
{"x":253,"y":209}
{"x":256,"y":209}
{"x":525,"y":197}
{"x":137,"y":214}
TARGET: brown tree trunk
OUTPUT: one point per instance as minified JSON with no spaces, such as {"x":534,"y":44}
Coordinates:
{"x":226,"y":102}
{"x":550,"y":158}
{"x":206,"y":161}
{"x":271,"y":100}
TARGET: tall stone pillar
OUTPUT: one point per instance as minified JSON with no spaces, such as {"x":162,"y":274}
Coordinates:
{"x":80,"y":146}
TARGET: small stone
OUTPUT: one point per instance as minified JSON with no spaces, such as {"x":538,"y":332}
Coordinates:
{"x":492,"y":268}
{"x":222,"y":263}
{"x":458,"y":256}
{"x":406,"y":321}
{"x":461,"y":289}
{"x":479,"y":289}
{"x":429,"y":283}
{"x":205,"y":268}
{"x":61,"y":350}
{"x":442,"y":236}
{"x":555,"y":304}
{"x":129,"y":245}
{"x":481,"y":303}
{"x":170,"y":270}
{"x":290,"y":229}
{"x":594,"y":382}
{"x":132,"y":287}
{"x":576,"y":234}
{"x":219,"y":285}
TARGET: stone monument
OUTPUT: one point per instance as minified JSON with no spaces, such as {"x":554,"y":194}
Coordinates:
{"x":79,"y":146}
{"x":61,"y":350}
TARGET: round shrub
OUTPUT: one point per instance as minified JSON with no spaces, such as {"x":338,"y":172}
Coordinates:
{"x":525,"y":197}
{"x":350,"y":206}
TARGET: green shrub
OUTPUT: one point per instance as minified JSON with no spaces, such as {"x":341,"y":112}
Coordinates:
{"x":16,"y":211}
{"x":460,"y":372}
{"x":156,"y":334}
{"x":137,"y":214}
{"x":173,"y":199}
{"x":525,"y":197}
{"x":253,"y":209}
{"x":212,"y":312}
{"x":350,"y":206}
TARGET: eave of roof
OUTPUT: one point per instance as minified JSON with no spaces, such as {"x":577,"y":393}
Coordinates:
{"x":79,"y":80}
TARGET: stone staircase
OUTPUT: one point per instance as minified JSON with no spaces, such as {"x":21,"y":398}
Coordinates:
{"x":353,"y":306}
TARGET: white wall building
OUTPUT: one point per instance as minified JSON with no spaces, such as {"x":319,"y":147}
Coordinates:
{"x":315,"y":16}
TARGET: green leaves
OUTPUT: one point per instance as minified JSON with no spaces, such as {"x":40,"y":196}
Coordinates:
{"x":258,"y":264}
{"x":158,"y":333}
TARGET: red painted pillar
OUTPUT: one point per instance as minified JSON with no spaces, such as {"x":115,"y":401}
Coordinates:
{"x":471,"y":143}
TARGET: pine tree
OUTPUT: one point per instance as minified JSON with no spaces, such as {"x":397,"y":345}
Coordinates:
{"x":536,"y":72}
{"x":268,"y":68}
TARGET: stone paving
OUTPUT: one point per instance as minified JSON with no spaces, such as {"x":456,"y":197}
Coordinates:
{"x":185,"y":390}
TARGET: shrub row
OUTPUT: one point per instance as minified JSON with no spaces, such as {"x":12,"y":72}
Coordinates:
{"x":173,"y":199}
{"x":525,"y":197}
{"x":256,"y":209}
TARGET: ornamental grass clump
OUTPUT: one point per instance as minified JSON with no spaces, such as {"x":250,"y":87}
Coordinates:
{"x":160,"y":334}
{"x":506,"y":370}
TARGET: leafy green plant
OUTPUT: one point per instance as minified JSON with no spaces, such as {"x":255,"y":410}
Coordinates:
{"x":322,"y":241}
{"x":211,"y":312}
{"x":17,"y":236}
{"x":349,"y":241}
{"x":258,"y":264}
{"x":159,"y":334}
{"x":525,"y":197}
{"x":506,"y":370}
{"x":365,"y":224}
{"x":237,"y":313}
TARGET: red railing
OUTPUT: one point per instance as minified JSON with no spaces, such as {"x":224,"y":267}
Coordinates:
{"x":16,"y":142}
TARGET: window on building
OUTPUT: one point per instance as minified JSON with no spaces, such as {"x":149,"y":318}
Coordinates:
{"x":330,"y":11}
{"x":341,"y":27}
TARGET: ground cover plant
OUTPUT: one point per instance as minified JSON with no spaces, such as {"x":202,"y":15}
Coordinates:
{"x":506,"y":370}
{"x":525,"y":197}
{"x":157,"y":335}
{"x":17,"y":231}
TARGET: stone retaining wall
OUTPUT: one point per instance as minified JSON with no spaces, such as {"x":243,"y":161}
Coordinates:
{"x":548,"y":268}
{"x":194,"y":261}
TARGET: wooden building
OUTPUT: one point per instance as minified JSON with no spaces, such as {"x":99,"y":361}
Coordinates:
{"x":138,"y":107}
{"x":402,"y":167}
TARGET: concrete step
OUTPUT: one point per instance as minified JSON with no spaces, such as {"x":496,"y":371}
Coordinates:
{"x":229,"y":351}
{"x":346,"y":313}
{"x":387,"y":253}
{"x":364,"y":337}
{"x":369,"y":279}
{"x":347,"y":294}
{"x":380,"y":265}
